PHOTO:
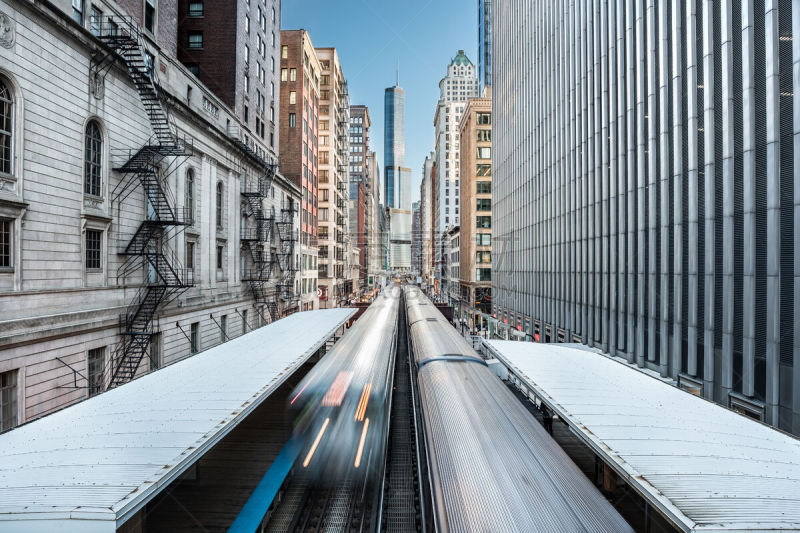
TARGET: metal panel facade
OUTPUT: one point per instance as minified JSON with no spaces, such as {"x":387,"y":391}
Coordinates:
{"x":647,"y":187}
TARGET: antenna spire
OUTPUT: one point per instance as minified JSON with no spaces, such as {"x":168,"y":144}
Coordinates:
{"x":397,"y":75}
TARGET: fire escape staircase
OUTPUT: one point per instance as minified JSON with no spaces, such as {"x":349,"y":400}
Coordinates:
{"x":286,"y":261}
{"x":147,"y":167}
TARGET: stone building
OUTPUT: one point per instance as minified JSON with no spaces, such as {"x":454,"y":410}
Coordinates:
{"x":361,"y":178}
{"x":150,"y":224}
{"x":475,"y":132}
{"x":334,"y":155}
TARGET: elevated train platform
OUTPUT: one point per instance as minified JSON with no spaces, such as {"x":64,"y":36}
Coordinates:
{"x":699,"y":465}
{"x":93,"y":466}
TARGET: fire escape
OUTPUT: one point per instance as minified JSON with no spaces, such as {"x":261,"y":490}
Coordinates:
{"x":148,"y":166}
{"x":286,"y":259}
{"x":256,"y":237}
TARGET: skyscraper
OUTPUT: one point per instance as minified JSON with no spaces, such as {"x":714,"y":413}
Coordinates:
{"x":664,"y":230}
{"x":485,"y":43}
{"x":397,"y":182}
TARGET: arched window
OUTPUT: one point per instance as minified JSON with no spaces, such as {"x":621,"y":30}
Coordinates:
{"x":6,"y":128}
{"x":189,"y":194}
{"x":219,"y":205}
{"x":93,"y":160}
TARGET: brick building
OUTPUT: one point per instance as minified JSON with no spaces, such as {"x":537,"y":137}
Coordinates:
{"x":232,"y":47}
{"x":299,"y":128}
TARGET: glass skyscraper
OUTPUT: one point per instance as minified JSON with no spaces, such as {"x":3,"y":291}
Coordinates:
{"x":394,"y":148}
{"x":485,"y":42}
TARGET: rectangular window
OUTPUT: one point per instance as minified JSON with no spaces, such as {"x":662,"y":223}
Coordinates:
{"x":6,"y":244}
{"x":292,"y":97}
{"x":95,"y":370}
{"x":223,"y":328}
{"x":483,"y":257}
{"x":220,"y":251}
{"x":94,"y":245}
{"x":190,"y":255}
{"x":484,"y":222}
{"x":483,"y":239}
{"x":284,"y":52}
{"x":484,"y":118}
{"x":293,"y":74}
{"x":484,"y":152}
{"x":484,"y":135}
{"x":484,"y":274}
{"x":245,"y":326}
{"x":484,"y":204}
{"x":77,"y":11}
{"x":8,"y":400}
{"x":95,"y":21}
{"x":196,"y":40}
{"x":284,"y":74}
{"x":483,"y":187}
{"x":292,"y":120}
{"x":155,"y":351}
{"x":194,"y":338}
{"x":196,"y":10}
{"x":150,"y":15}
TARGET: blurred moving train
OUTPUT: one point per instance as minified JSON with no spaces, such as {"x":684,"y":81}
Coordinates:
{"x":491,"y":466}
{"x":342,"y":404}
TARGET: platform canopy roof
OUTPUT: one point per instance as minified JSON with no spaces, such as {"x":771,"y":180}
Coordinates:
{"x":705,"y":467}
{"x":90,"y":466}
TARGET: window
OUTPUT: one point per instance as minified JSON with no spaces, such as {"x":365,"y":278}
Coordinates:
{"x":484,"y":118}
{"x":150,"y":15}
{"x":220,"y":253}
{"x":483,"y":239}
{"x":483,"y":187}
{"x":292,"y":120}
{"x":484,"y":274}
{"x":155,"y":351}
{"x":284,"y":74}
{"x":223,"y":328}
{"x":6,"y":128}
{"x":77,"y":11}
{"x":195,"y":40}
{"x":196,"y":10}
{"x":6,"y":244}
{"x":190,"y":255}
{"x":95,"y":21}
{"x":292,"y":97}
{"x":194,"y":69}
{"x":219,"y":205}
{"x":484,"y":152}
{"x":244,"y":321}
{"x":246,"y":54}
{"x":194,"y":337}
{"x":94,"y":244}
{"x":8,"y":400}
{"x":484,"y":204}
{"x":484,"y":135}
{"x":484,"y":222}
{"x":293,"y":74}
{"x":284,"y":52}
{"x":95,"y":370}
{"x":483,"y":257}
{"x":188,"y":194}
{"x":93,"y":160}
{"x":323,"y":214}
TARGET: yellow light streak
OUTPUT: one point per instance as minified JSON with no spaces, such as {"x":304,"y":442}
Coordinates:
{"x":362,"y":404}
{"x":361,"y":444}
{"x":316,"y":443}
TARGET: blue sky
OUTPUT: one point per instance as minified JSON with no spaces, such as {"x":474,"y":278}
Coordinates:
{"x":371,"y":36}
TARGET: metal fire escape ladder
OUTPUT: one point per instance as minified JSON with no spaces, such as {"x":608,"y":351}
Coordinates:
{"x":256,"y":236}
{"x":286,"y":262}
{"x":149,"y":167}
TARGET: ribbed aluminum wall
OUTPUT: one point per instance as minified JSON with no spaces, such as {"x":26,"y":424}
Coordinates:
{"x":647,"y":186}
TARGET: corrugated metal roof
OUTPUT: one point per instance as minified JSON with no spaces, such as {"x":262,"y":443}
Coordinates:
{"x":90,"y":466}
{"x":706,"y":467}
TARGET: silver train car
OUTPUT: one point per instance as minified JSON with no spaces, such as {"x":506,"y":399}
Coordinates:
{"x":491,"y":465}
{"x":342,"y":404}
